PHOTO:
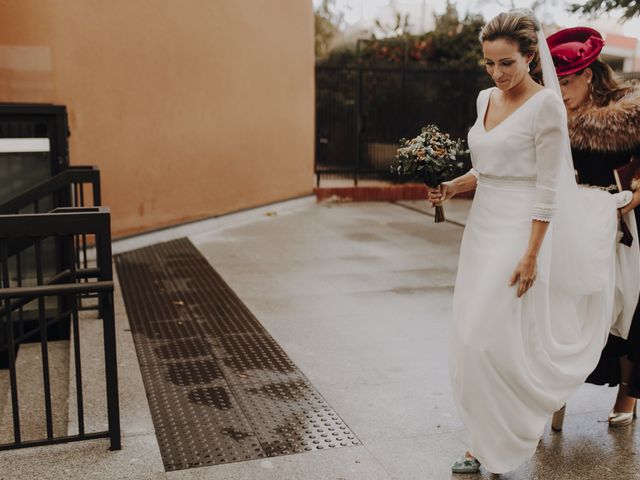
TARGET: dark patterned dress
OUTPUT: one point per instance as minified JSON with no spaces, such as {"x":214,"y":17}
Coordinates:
{"x":604,"y":138}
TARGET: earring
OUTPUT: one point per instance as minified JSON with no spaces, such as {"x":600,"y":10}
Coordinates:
{"x":590,"y":90}
{"x":528,"y":67}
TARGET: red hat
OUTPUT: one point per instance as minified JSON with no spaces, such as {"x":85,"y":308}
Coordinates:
{"x":574,"y":48}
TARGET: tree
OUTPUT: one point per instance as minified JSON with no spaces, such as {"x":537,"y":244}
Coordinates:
{"x":328,"y":23}
{"x":594,"y":7}
{"x":452,"y":43}
{"x":399,"y":29}
{"x":448,"y":23}
{"x":456,"y":41}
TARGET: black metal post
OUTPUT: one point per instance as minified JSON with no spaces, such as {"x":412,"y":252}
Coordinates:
{"x":97,"y":196}
{"x":73,"y":300}
{"x":403,"y":78}
{"x":103,"y":252}
{"x":11,"y":350}
{"x":358,"y":118}
{"x":42,"y":320}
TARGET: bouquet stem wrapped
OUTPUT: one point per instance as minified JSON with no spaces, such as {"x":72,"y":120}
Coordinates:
{"x":433,"y":156}
{"x":439,"y":214}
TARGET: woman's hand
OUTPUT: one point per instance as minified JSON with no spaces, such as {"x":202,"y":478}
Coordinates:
{"x":524,"y":274}
{"x":437,"y":196}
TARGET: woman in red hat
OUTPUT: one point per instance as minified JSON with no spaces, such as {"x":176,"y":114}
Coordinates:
{"x":604,"y":129}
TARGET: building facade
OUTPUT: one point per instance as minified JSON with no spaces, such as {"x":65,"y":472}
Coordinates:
{"x":190,"y":109}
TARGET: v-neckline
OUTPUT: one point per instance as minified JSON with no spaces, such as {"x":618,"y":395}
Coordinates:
{"x":486,"y":109}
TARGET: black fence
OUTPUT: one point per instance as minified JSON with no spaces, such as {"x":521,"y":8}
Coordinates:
{"x":65,"y":286}
{"x":66,"y":187}
{"x":77,"y":186}
{"x":363,"y":110}
{"x":55,"y":263}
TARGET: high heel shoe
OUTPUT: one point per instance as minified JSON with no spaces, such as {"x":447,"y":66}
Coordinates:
{"x":558,"y":419}
{"x":622,"y":419}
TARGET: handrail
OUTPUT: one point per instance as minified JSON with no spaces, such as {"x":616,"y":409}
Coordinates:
{"x":64,"y":179}
{"x":67,"y":189}
{"x":50,"y":290}
{"x":68,"y":221}
{"x":83,"y":273}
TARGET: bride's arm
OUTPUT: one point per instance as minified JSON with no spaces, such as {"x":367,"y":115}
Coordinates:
{"x":551,"y":149}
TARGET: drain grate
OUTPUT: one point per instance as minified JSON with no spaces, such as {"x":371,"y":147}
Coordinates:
{"x":220,"y":389}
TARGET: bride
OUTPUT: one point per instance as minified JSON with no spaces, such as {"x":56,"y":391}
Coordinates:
{"x":533,"y":300}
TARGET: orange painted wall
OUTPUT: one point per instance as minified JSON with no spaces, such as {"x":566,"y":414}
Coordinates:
{"x":190,"y":108}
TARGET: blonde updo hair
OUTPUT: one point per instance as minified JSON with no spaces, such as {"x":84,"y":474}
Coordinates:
{"x":519,"y":27}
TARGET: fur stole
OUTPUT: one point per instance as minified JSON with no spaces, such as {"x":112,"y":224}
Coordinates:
{"x":612,"y":128}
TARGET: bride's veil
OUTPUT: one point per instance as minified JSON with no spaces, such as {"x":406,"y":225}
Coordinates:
{"x":583,"y":229}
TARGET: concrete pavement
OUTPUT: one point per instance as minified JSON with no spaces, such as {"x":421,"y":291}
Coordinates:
{"x":359,"y":296}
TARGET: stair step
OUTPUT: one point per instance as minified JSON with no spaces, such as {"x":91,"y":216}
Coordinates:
{"x":31,"y":392}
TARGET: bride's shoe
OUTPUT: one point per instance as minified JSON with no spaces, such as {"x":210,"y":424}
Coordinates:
{"x":466,"y":464}
{"x":622,"y":419}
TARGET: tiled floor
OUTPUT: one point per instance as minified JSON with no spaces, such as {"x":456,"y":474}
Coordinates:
{"x":220,"y":388}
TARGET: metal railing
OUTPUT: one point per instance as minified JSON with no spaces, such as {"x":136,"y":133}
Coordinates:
{"x":67,"y":187}
{"x":66,"y":284}
{"x":77,"y":186}
{"x":363,"y":110}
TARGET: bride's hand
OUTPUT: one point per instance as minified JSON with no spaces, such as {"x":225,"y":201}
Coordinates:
{"x":437,"y":196}
{"x":524,"y":274}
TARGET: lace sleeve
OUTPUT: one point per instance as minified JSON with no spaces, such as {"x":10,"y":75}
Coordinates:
{"x":551,"y":142}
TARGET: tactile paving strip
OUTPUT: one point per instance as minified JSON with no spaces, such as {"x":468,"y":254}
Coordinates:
{"x":220,"y":389}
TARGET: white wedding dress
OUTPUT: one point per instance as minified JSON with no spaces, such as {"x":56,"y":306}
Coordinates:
{"x":514,"y":361}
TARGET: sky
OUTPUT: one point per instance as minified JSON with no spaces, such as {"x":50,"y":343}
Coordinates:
{"x":554,"y":10}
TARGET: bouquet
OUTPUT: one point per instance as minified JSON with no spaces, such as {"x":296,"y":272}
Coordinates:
{"x":433,"y":157}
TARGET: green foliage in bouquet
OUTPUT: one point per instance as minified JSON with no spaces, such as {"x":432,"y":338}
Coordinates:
{"x":432,"y":157}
